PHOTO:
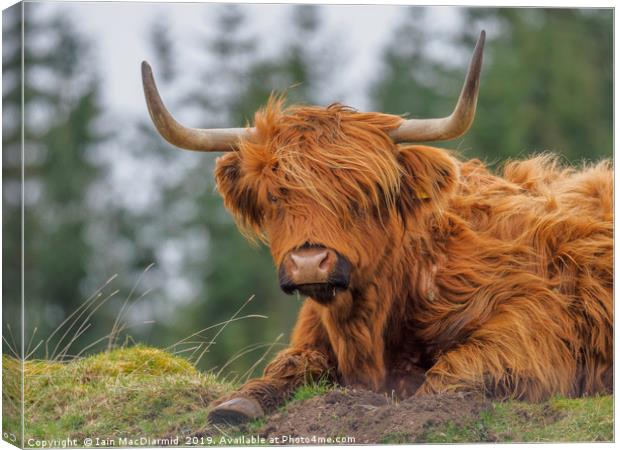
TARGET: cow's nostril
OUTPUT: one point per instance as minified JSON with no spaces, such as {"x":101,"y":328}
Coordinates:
{"x":294,"y":262}
{"x":325,"y":261}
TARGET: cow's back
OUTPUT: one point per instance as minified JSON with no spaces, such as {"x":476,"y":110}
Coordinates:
{"x":564,"y":218}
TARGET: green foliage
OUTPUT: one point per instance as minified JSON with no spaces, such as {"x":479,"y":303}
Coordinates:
{"x":12,"y":397}
{"x":558,"y":420}
{"x":547,"y":84}
{"x":310,"y":390}
{"x":59,"y":113}
{"x":546,"y":81}
{"x":412,"y":83}
{"x":12,"y":193}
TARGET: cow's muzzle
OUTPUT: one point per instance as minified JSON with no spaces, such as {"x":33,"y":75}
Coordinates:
{"x":315,"y":271}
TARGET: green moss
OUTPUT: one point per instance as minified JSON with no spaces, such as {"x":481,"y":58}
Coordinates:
{"x":129,"y":392}
{"x":558,"y":420}
{"x":138,"y":360}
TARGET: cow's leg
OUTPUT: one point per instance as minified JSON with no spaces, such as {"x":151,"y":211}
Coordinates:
{"x":308,"y":359}
{"x":290,"y":369}
{"x":508,"y":357}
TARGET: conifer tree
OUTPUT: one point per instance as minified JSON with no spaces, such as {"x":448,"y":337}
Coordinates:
{"x":412,"y":81}
{"x":546,"y":80}
{"x":60,"y":137}
{"x":547,"y":83}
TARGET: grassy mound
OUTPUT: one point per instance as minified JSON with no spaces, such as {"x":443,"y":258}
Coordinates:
{"x":129,"y":392}
{"x":557,"y":420}
{"x":144,"y":392}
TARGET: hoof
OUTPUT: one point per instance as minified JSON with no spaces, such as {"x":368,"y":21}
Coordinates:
{"x":236,"y":411}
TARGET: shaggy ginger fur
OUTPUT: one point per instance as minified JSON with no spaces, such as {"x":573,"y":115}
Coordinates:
{"x":501,"y":284}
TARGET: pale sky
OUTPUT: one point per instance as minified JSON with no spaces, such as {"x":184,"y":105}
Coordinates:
{"x":119,"y":33}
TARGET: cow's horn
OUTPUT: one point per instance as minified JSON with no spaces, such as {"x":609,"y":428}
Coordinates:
{"x":457,"y":123}
{"x":201,"y":140}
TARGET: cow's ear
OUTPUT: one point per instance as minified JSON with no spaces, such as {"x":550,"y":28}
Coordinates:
{"x":240,"y":198}
{"x":429,"y":176}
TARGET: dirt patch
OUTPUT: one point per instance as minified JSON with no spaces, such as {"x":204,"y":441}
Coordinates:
{"x":368,"y":417}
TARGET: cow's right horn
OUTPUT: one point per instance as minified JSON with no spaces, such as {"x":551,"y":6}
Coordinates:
{"x":197,"y":139}
{"x":457,"y":123}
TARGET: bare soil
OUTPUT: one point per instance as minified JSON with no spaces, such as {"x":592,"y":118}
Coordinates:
{"x":369,"y":417}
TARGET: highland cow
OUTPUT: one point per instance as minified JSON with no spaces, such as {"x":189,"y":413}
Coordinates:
{"x":413,"y":258}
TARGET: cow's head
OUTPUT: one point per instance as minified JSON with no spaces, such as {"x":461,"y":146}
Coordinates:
{"x":329,"y":189}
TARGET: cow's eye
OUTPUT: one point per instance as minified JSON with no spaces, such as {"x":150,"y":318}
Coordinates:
{"x":272,"y":198}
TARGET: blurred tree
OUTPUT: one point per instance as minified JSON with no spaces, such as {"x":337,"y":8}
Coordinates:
{"x":412,"y":83}
{"x":229,"y":52}
{"x":61,"y":107}
{"x":546,"y":81}
{"x":240,"y":80}
{"x":160,"y":39}
{"x":302,"y":68}
{"x":128,"y":219}
{"x":11,"y":178}
{"x":224,"y":267}
{"x":299,"y":61}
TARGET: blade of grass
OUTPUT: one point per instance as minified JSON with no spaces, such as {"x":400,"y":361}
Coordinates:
{"x":34,"y":349}
{"x":30,"y":341}
{"x":15,"y":346}
{"x":10,"y":347}
{"x":63,"y":353}
{"x":103,"y":338}
{"x":114,"y":333}
{"x":223,"y":327}
{"x":244,"y":351}
{"x":94,"y":296}
{"x":197,"y":333}
{"x":248,"y":373}
{"x":79,"y":331}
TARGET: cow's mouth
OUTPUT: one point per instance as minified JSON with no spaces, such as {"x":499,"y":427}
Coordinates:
{"x":321,"y":292}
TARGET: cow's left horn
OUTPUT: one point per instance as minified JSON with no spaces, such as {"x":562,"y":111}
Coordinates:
{"x":198,"y":139}
{"x":457,"y":123}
